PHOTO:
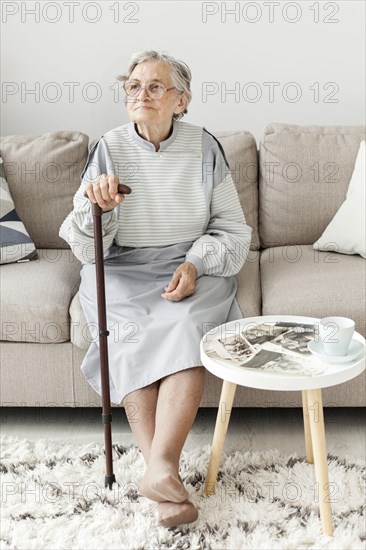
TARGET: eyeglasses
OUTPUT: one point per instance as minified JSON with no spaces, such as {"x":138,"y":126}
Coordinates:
{"x":154,"y":89}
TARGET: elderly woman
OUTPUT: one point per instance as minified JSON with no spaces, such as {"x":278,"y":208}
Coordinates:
{"x":171,"y":250}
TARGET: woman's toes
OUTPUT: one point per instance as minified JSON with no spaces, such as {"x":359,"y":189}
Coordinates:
{"x":173,"y":513}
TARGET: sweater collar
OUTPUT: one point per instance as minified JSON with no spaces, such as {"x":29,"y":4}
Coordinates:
{"x":147,"y":144}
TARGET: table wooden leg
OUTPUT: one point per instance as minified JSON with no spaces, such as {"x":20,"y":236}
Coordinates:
{"x":316,"y":421}
{"x":222,"y":422}
{"x":308,"y":444}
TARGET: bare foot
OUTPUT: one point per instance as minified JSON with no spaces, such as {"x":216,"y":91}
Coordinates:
{"x":175,"y":513}
{"x":161,"y":482}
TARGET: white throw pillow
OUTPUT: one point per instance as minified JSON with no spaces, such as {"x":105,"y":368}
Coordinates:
{"x":346,"y":233}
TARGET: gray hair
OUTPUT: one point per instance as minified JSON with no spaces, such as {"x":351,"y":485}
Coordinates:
{"x":180,"y":73}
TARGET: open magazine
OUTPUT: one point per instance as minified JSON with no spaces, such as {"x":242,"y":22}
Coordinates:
{"x":278,"y":348}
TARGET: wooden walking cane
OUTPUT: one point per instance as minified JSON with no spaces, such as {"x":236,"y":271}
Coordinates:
{"x":103,"y":334}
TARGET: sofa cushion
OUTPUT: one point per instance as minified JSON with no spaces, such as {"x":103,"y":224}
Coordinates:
{"x":298,"y":280}
{"x":15,"y":242}
{"x":80,"y":334}
{"x":248,"y":293}
{"x":43,"y":173}
{"x":241,"y":153}
{"x":305,"y":172}
{"x":36,"y":296}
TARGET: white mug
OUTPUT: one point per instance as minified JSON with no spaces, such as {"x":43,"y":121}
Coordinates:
{"x":336,"y":334}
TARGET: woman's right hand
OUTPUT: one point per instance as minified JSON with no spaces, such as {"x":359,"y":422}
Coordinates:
{"x":104,"y":191}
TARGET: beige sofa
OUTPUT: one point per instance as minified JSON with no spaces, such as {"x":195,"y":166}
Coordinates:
{"x":290,"y":187}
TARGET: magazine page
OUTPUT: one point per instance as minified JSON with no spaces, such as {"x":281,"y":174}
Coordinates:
{"x":278,"y":348}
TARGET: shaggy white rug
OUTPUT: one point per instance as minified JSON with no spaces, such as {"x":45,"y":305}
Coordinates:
{"x":53,"y":496}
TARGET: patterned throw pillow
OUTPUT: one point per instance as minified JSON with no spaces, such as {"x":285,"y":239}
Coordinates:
{"x":15,"y":243}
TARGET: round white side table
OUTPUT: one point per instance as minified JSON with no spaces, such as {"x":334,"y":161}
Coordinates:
{"x":310,"y":387}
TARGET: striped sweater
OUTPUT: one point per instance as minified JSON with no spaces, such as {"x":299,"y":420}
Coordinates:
{"x":183,"y":192}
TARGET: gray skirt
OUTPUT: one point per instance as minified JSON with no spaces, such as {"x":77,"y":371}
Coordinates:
{"x":150,"y":337}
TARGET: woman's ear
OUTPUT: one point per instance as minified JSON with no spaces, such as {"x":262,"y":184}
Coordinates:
{"x":182,"y":103}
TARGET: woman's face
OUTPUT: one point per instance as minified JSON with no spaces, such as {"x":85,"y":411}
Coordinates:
{"x":141,"y":108}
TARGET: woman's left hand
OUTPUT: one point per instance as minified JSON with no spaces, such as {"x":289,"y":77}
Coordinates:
{"x":182,"y":284}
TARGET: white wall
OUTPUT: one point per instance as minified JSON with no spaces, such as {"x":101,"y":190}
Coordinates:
{"x":320,"y":55}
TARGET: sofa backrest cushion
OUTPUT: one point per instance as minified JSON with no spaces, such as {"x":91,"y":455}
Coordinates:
{"x":43,"y":174}
{"x":242,"y":155}
{"x":304,"y":176}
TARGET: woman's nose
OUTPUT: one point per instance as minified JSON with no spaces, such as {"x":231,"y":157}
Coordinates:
{"x":142,"y":91}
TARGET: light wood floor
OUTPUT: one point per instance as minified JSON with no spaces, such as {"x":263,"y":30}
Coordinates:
{"x":249,"y":428}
